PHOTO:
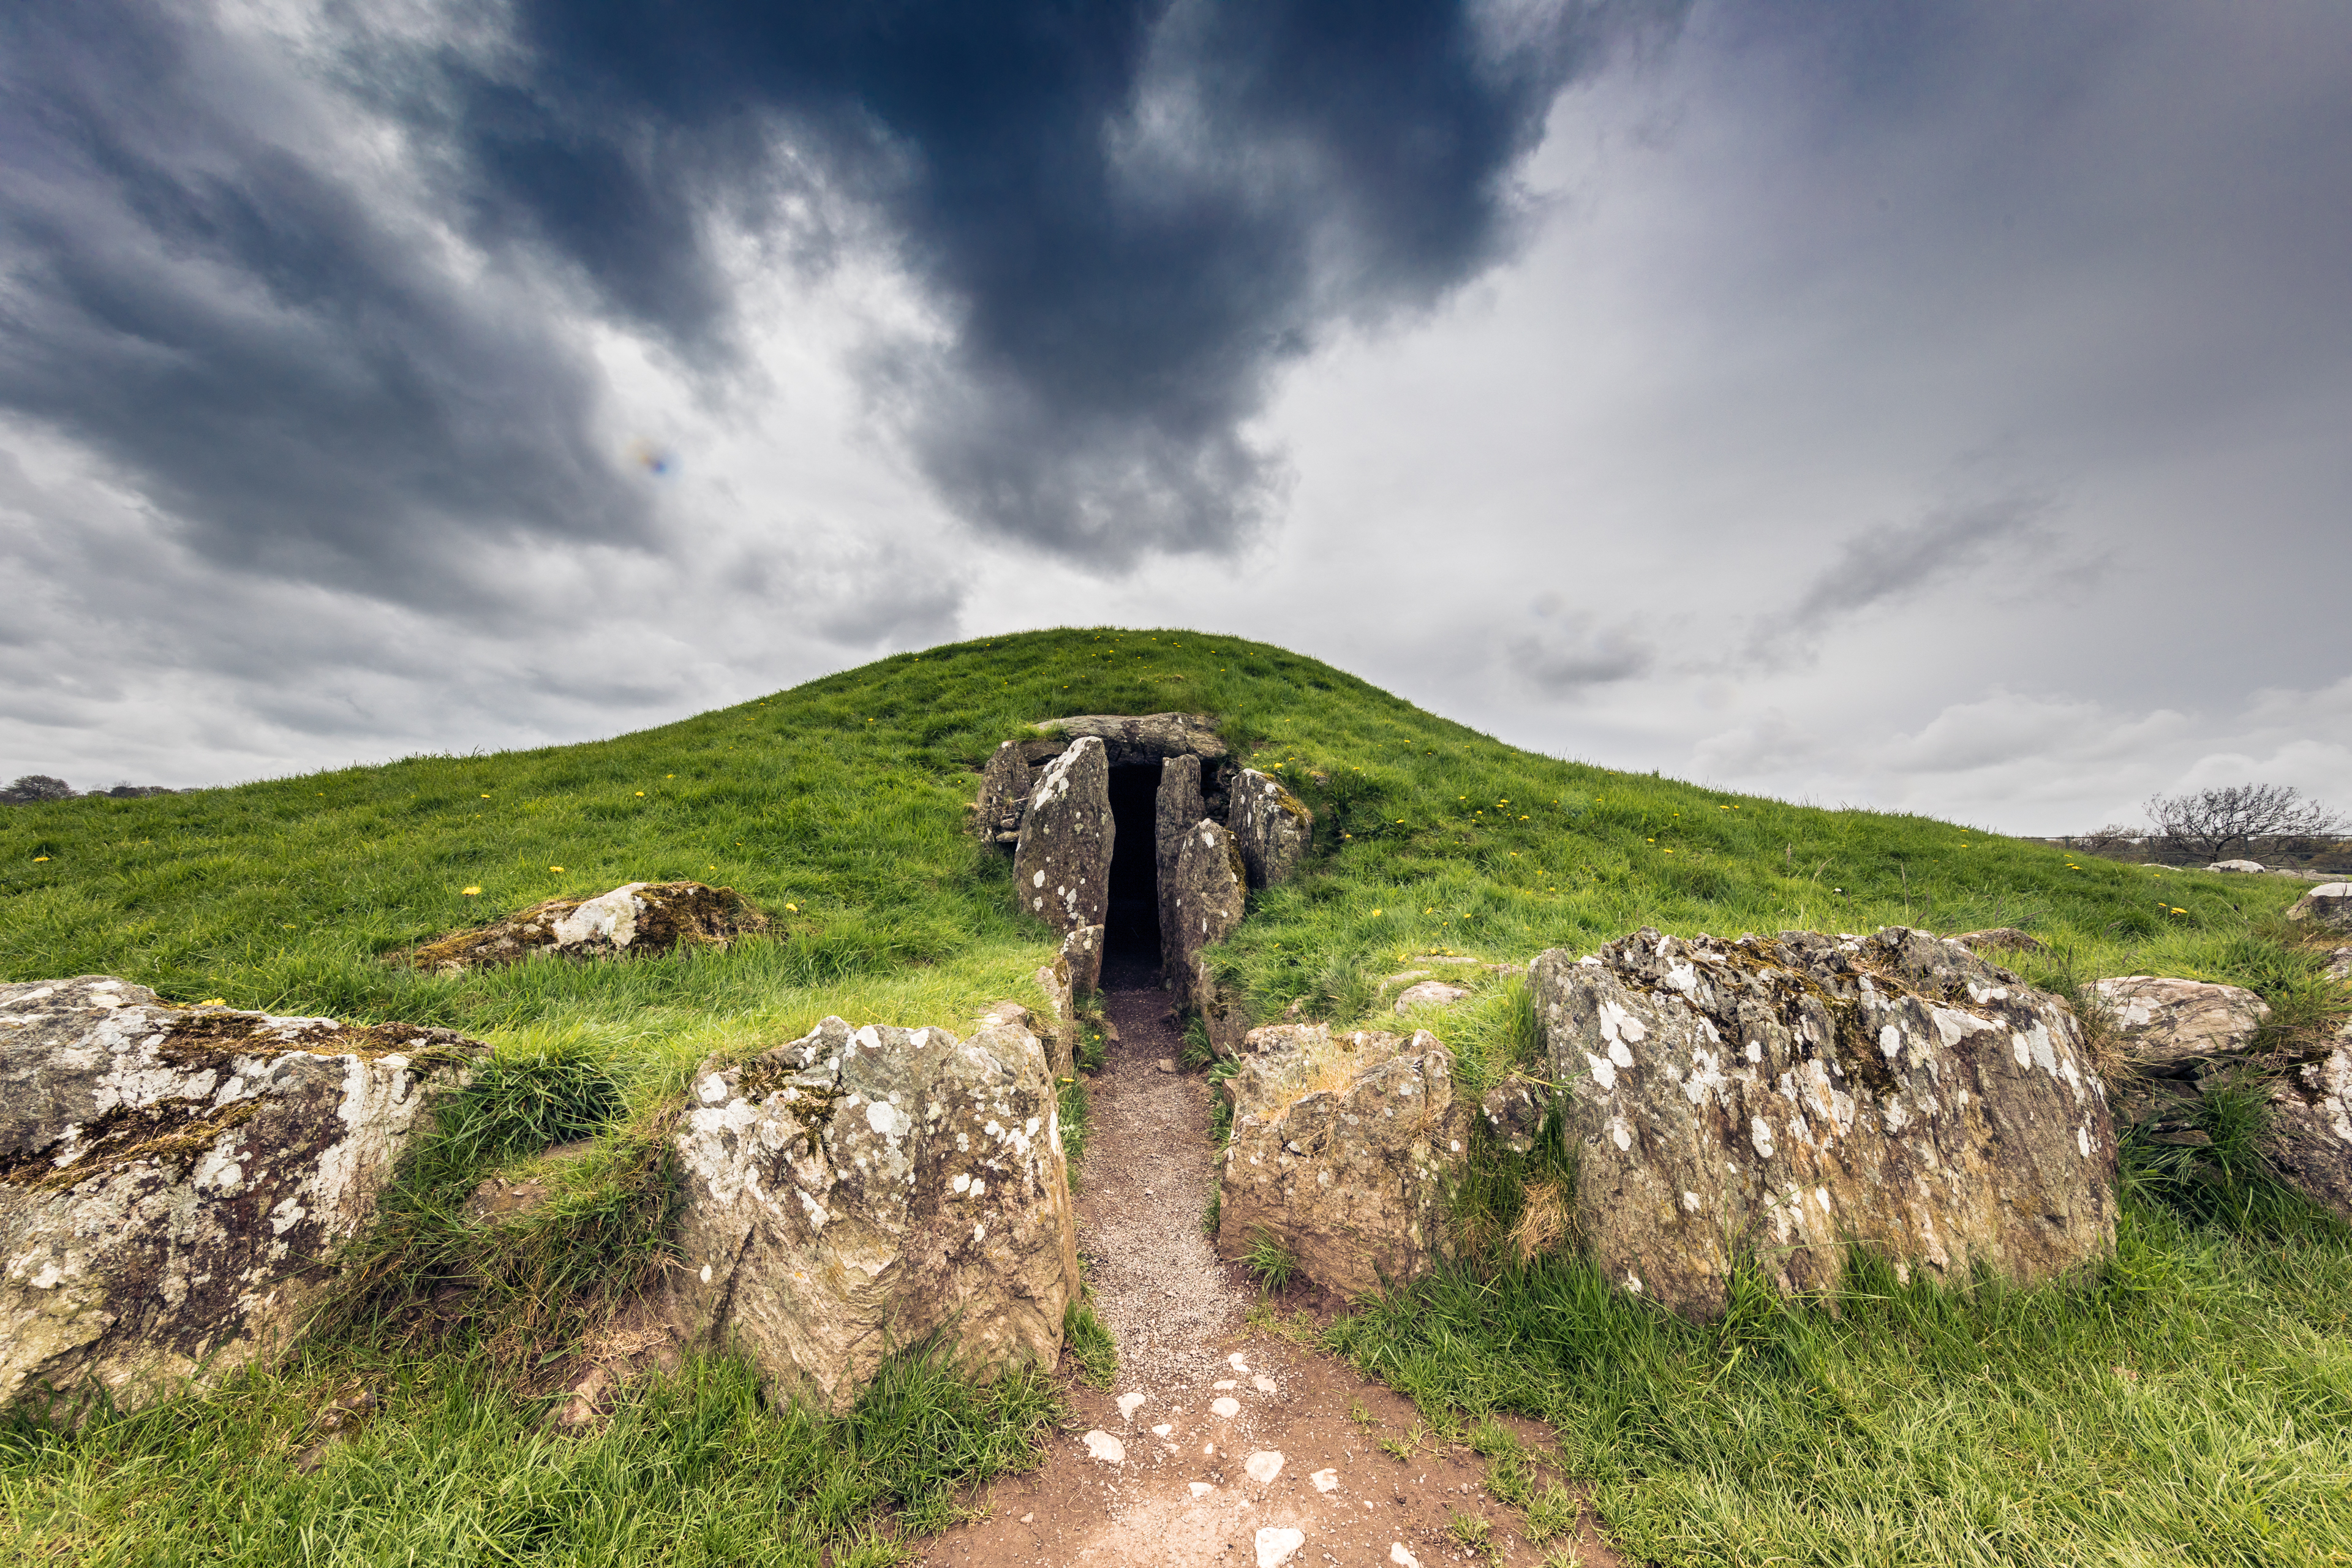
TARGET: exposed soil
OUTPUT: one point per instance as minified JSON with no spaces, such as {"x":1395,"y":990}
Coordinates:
{"x":1216,"y":1439}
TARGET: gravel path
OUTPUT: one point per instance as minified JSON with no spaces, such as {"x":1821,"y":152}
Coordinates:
{"x":1147,"y":1178}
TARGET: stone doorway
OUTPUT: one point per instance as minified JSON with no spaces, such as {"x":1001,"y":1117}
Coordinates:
{"x":1132,"y":935}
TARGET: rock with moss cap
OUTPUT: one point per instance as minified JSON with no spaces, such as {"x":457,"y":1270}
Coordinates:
{"x":1273,"y":827}
{"x":173,"y":1180}
{"x":859,"y":1190}
{"x":633,"y":920}
{"x":1779,"y":1099}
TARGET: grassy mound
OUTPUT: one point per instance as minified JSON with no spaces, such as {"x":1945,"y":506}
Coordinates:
{"x":1892,"y":1426}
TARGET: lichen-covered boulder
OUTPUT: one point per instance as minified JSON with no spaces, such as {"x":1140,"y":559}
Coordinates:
{"x":2310,"y":1134}
{"x":2000,"y":939}
{"x":1430,"y":993}
{"x":1778,"y":1099}
{"x":1273,"y":827}
{"x":2249,"y":867}
{"x":856,"y":1191}
{"x":2328,"y":904}
{"x":2339,"y":963}
{"x":173,"y":1179}
{"x":2171,"y":1028}
{"x":1346,"y":1151}
{"x":633,"y":920}
{"x":1208,"y":902}
{"x":1061,"y":867}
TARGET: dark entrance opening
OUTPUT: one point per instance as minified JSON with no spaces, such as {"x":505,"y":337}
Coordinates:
{"x":1131,"y":926}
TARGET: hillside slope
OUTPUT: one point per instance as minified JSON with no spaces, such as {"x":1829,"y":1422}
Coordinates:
{"x":839,"y":807}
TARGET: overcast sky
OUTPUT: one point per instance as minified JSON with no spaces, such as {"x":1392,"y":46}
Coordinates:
{"x":1940,"y":407}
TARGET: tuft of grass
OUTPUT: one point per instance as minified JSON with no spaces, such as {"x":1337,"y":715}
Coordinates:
{"x":1213,"y":1214}
{"x":1089,"y":1344}
{"x":1076,"y":1115}
{"x":2189,"y":1396}
{"x":696,"y":1468}
{"x":1269,"y":1261}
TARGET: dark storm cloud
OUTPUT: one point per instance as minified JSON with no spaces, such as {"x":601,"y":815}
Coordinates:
{"x":269,"y":357}
{"x":1129,"y":213}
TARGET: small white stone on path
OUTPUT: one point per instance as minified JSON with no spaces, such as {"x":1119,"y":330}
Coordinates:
{"x":1128,"y":1405}
{"x":1401,"y":1557}
{"x":1102,"y":1445}
{"x":1166,"y":1064}
{"x":1224,"y":1382}
{"x":1028,"y":1519}
{"x":1162,"y":1429}
{"x":1263,"y":1384}
{"x":1228,"y":1407}
{"x":1275,"y":1546}
{"x":1235,"y":1362}
{"x":1325,"y":1481}
{"x":1262,"y":1466}
{"x":1201,"y":1490}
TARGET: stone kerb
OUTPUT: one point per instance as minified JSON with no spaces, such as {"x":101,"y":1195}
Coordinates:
{"x":1061,"y":867}
{"x":856,"y":1191}
{"x":173,"y":1180}
{"x":1779,"y":1099}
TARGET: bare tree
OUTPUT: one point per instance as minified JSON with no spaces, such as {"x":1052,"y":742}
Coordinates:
{"x":2100,"y":840}
{"x":2213,"y":822}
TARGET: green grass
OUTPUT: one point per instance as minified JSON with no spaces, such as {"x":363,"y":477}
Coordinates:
{"x":696,"y":1468}
{"x":1901,"y":1427}
{"x":2188,"y":1404}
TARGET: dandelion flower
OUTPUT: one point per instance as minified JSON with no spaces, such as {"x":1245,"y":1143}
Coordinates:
{"x":471,"y":892}
{"x":485,"y":798}
{"x":38,"y":858}
{"x":794,"y":907}
{"x":555,"y":868}
{"x":641,"y":795}
{"x":1376,"y":911}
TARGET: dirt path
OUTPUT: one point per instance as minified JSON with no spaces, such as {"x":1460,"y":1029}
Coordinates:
{"x":1217,"y":1445}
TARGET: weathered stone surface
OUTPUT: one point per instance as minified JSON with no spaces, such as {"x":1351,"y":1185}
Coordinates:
{"x":632,"y":920}
{"x":2328,"y":904}
{"x":1778,"y":1098}
{"x":1429,"y":993}
{"x":1061,"y":869}
{"x":1083,"y":948}
{"x":2247,"y":866}
{"x":1004,"y":784}
{"x":171,"y":1178}
{"x":2000,"y":939}
{"x":1144,"y":738}
{"x":1175,"y":810}
{"x":1515,"y":1110}
{"x":2310,"y":1135}
{"x":1273,"y":827}
{"x":857,"y":1190}
{"x":2172,"y":1028}
{"x":2339,"y":963}
{"x":1279,"y":1062}
{"x":1208,"y":902}
{"x":1352,"y":1180}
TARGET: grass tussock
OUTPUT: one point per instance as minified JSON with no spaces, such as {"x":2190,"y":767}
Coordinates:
{"x":2185,"y":1403}
{"x":693,"y":1470}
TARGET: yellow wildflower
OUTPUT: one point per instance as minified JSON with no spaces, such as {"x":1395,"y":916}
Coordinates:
{"x":555,"y":868}
{"x":471,"y":892}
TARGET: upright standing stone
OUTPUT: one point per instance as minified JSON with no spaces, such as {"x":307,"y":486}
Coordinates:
{"x":1003,"y":787}
{"x":1061,"y":869}
{"x":1177,"y":808}
{"x":1210,"y":898}
{"x":853,"y":1193}
{"x":1273,"y":825}
{"x":174,"y":1180}
{"x":1779,"y":1100}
